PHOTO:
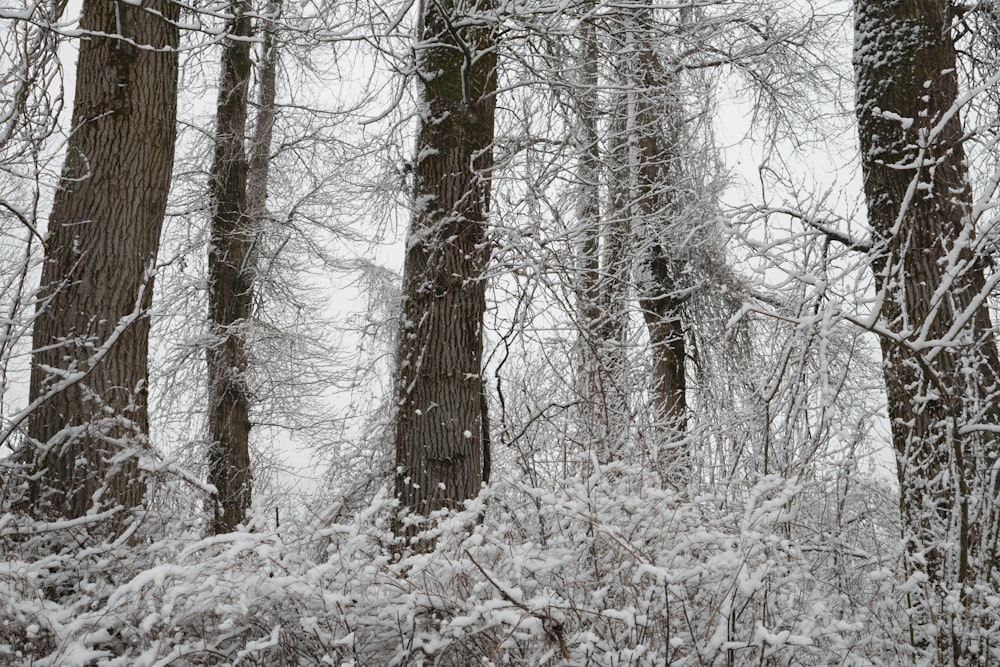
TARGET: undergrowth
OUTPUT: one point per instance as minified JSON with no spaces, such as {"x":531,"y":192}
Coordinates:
{"x":596,"y":570}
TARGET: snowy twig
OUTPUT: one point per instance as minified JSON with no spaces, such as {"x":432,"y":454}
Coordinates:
{"x":72,"y":378}
{"x":553,"y":628}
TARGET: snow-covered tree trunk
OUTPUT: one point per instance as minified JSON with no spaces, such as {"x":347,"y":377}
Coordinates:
{"x":588,"y":238}
{"x":940,"y":357}
{"x":602,"y":264}
{"x":259,"y":157}
{"x":440,"y":418}
{"x":616,"y":288}
{"x":89,"y":366}
{"x":230,"y":283}
{"x":652,"y":146}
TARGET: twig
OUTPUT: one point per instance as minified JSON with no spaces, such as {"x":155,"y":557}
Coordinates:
{"x":553,"y":628}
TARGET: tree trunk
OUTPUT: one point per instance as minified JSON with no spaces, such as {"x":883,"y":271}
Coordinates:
{"x":258,"y":174}
{"x":97,"y":279}
{"x":439,"y":382}
{"x":659,"y":264}
{"x":604,"y":280}
{"x":615,"y":287}
{"x":589,"y":383}
{"x":230,"y":283}
{"x":940,"y":360}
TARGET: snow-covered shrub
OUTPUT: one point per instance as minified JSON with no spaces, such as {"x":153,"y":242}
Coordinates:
{"x":594,"y":570}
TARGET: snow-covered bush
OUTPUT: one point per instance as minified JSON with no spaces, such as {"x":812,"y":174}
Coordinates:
{"x":596,"y":570}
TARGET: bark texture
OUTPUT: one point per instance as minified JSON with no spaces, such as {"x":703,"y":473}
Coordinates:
{"x":660,"y":261}
{"x":96,"y":281}
{"x":940,"y":358}
{"x":440,"y":416}
{"x":230,"y":281}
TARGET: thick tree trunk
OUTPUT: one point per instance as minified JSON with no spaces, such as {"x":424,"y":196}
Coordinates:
{"x":440,"y":416}
{"x":97,"y":279}
{"x":230,"y":282}
{"x":940,"y":360}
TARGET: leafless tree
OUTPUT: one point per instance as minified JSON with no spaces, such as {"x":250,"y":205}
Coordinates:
{"x":440,"y":421}
{"x":941,"y":365}
{"x":230,"y":282}
{"x":88,"y":397}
